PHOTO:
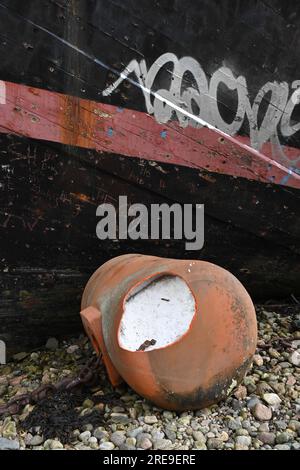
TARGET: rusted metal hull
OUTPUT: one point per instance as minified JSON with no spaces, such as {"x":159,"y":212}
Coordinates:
{"x":81,"y":122}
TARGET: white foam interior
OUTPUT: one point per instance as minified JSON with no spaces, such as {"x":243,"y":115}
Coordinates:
{"x":160,"y":309}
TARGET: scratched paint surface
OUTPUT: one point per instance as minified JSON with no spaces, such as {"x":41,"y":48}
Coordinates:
{"x":180,"y":98}
{"x":66,"y":145}
{"x":221,"y":84}
{"x":70,"y":120}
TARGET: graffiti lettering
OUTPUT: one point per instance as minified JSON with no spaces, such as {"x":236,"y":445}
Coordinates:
{"x":197,"y":104}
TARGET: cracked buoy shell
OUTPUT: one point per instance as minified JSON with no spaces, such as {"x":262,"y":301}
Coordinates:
{"x":181,"y":333}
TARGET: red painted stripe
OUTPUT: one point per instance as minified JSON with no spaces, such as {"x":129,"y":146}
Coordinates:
{"x":45,"y":115}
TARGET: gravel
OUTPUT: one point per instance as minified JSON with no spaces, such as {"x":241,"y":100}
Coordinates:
{"x":262,"y":413}
{"x":272,"y":399}
{"x":9,"y":444}
{"x":295,"y":358}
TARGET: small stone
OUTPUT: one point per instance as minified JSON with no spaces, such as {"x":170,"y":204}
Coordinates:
{"x":52,"y":444}
{"x":234,"y":424}
{"x":5,"y":370}
{"x":87,"y":404}
{"x":282,"y":447}
{"x":246,"y":424}
{"x":118,"y":409}
{"x":170,"y":434}
{"x":87,"y":427}
{"x":241,"y":392}
{"x":100,"y":433}
{"x":295,"y":358}
{"x":250,"y":384}
{"x":3,"y":390}
{"x":283,"y":438}
{"x":72,"y":349}
{"x":84,"y":437}
{"x":85,"y":412}
{"x":263,"y":387}
{"x":199,"y":445}
{"x":20,"y":356}
{"x":106,"y":446}
{"x":46,"y":378}
{"x":34,"y":356}
{"x":27,"y":439}
{"x":150,"y":419}
{"x":224,"y":436}
{"x":229,"y":445}
{"x":157,"y":434}
{"x":267,"y":438}
{"x":261,"y":412}
{"x":163,"y":444}
{"x":284,"y":365}
{"x":126,"y":447}
{"x":199,"y":436}
{"x":132,"y":413}
{"x":279,"y":388}
{"x":252,"y":402}
{"x":9,"y":444}
{"x":236,"y":405}
{"x":168,"y":414}
{"x":240,"y":447}
{"x":131,"y":441}
{"x":145,"y":443}
{"x":215,"y":443}
{"x":291,"y":381}
{"x":203,"y":412}
{"x":294,"y":425}
{"x":127,"y":398}
{"x":258,"y":360}
{"x":243,"y":441}
{"x":273,"y":353}
{"x":9,"y":430}
{"x":26,"y":411}
{"x":135,"y":432}
{"x":296,"y":445}
{"x":120,"y":418}
{"x":81,"y":446}
{"x":184,"y":420}
{"x":56,"y":445}
{"x":118,"y":438}
{"x":3,"y":379}
{"x":242,"y":432}
{"x":36,"y":440}
{"x":52,"y":344}
{"x":280,"y":424}
{"x":140,"y":436}
{"x":93,"y":443}
{"x":272,"y":399}
{"x":264,"y":427}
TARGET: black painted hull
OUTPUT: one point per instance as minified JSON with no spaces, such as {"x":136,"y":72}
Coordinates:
{"x":48,"y":245}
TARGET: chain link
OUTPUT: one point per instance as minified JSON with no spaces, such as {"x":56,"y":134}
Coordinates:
{"x":86,"y":375}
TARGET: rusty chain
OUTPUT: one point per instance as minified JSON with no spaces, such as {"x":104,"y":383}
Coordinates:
{"x":86,"y":375}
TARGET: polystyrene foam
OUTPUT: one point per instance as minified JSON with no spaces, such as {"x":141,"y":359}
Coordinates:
{"x":160,"y":309}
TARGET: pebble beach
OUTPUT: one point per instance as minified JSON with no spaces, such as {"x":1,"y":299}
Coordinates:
{"x":261,"y":413}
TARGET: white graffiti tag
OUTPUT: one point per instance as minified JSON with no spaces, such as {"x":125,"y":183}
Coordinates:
{"x":197,"y":104}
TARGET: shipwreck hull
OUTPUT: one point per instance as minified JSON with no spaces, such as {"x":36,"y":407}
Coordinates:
{"x":79,"y":128}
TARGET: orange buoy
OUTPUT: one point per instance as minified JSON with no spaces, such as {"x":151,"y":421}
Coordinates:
{"x":181,"y":333}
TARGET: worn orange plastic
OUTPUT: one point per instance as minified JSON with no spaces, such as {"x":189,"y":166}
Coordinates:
{"x":200,"y":368}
